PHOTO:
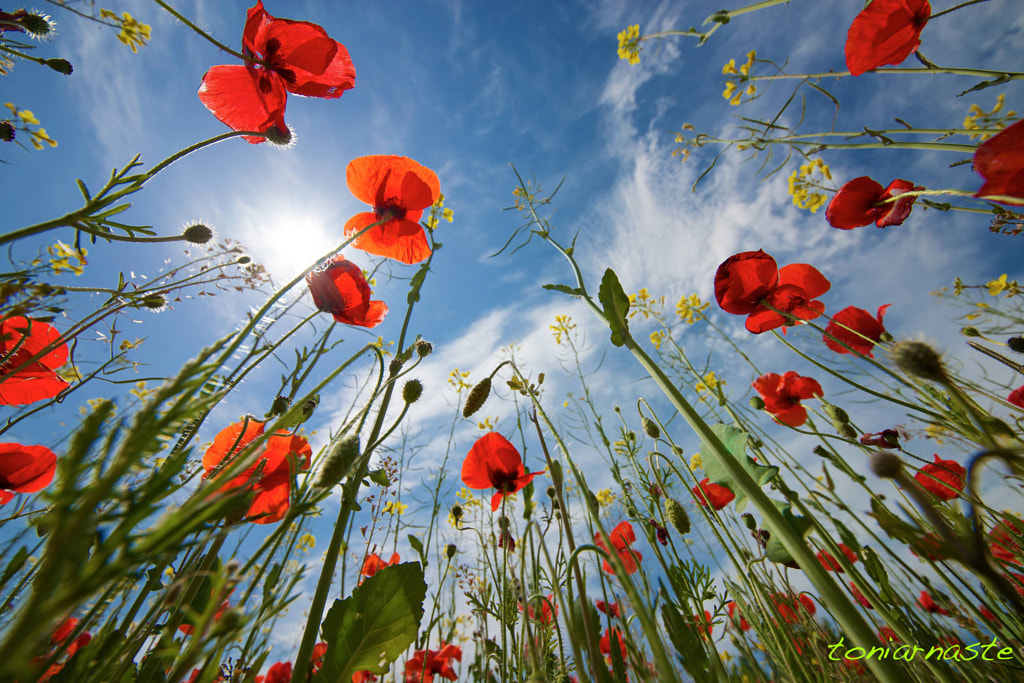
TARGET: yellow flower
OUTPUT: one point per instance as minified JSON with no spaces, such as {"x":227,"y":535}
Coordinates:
{"x":730,"y":88}
{"x":393,"y":507}
{"x":978,"y":118}
{"x":605,"y":497}
{"x":562,"y":327}
{"x":802,"y":182}
{"x":995,"y":287}
{"x":133,"y":33}
{"x":657,"y":338}
{"x":730,"y":68}
{"x":488,"y":424}
{"x":27,"y":117}
{"x":306,"y":542}
{"x":140,"y":391}
{"x":457,"y":379}
{"x":696,"y":462}
{"x":63,"y":254}
{"x":629,"y":44}
{"x":448,"y":215}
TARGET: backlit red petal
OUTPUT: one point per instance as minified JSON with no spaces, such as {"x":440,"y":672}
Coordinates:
{"x":388,"y":180}
{"x":853,"y":205}
{"x":26,"y":469}
{"x":806,"y":277}
{"x":231,"y":440}
{"x":897,"y":212}
{"x":271,"y":502}
{"x":885,"y":32}
{"x":861,"y":324}
{"x":402,"y":240}
{"x":244,"y":98}
{"x":622,"y":535}
{"x":1000,"y":161}
{"x":743,"y":280}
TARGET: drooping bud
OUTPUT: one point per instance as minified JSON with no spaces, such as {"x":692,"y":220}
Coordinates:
{"x":1015,"y":343}
{"x":886,"y":465}
{"x":821,"y":451}
{"x":456,"y":512}
{"x":757,"y":403}
{"x":749,"y":521}
{"x":919,"y":359}
{"x":412,"y":390}
{"x":677,"y":516}
{"x":846,"y":431}
{"x":551,"y":492}
{"x":651,"y":428}
{"x":343,"y":454}
{"x":309,"y":407}
{"x":62,"y":66}
{"x":197,"y":233}
{"x":477,"y":395}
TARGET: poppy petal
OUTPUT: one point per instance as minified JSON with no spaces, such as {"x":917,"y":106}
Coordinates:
{"x":389,"y":180}
{"x":1000,"y":161}
{"x":806,"y":277}
{"x":339,"y":288}
{"x":399,"y":239}
{"x":853,"y":205}
{"x":743,"y":280}
{"x":231,"y":440}
{"x":764,"y":320}
{"x":271,"y":502}
{"x":885,"y":32}
{"x":26,"y":469}
{"x":244,"y":98}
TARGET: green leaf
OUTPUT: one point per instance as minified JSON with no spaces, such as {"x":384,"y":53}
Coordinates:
{"x":876,"y":570}
{"x":416,"y":544}
{"x":16,"y":563}
{"x":735,"y":441}
{"x":380,"y":478}
{"x":371,"y":628}
{"x":774,"y":549}
{"x":923,"y":544}
{"x":565,"y":289}
{"x":417,"y":282}
{"x":616,"y":305}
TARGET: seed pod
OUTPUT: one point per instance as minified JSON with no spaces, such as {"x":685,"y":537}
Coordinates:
{"x":450,"y":550}
{"x":280,"y":406}
{"x":423,"y":348}
{"x":919,"y":359}
{"x":477,"y":395}
{"x":412,"y":390}
{"x":846,"y":431}
{"x":61,"y":66}
{"x":1015,"y":343}
{"x":677,"y":516}
{"x":757,"y":403}
{"x":651,"y":428}
{"x":342,"y":456}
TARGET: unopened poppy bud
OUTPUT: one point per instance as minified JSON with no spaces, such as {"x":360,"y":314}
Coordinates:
{"x":551,"y":492}
{"x":231,"y":567}
{"x":838,"y":415}
{"x":242,"y":260}
{"x":1015,"y":343}
{"x":503,"y":522}
{"x":920,"y":359}
{"x":412,"y":390}
{"x":757,"y":403}
{"x":970,"y":332}
{"x":450,"y":550}
{"x":477,"y":395}
{"x":38,"y":25}
{"x":6,"y":131}
{"x":592,"y":502}
{"x":456,"y":512}
{"x":197,"y":233}
{"x":62,"y":66}
{"x":309,"y":407}
{"x":749,"y":521}
{"x":280,"y":406}
{"x":821,"y":451}
{"x":846,"y":431}
{"x":154,"y":302}
{"x":277,"y":136}
{"x":423,"y":348}
{"x":338,"y":462}
{"x":677,"y":516}
{"x":651,"y":428}
{"x":677,"y":450}
{"x":886,"y":465}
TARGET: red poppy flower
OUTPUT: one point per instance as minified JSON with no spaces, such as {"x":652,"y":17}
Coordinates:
{"x":1016,"y":397}
{"x":786,"y":606}
{"x":493,"y":462}
{"x":943,"y":478}
{"x":1000,"y":161}
{"x":288,"y":57}
{"x":857,"y":203}
{"x":987,"y":613}
{"x":187,"y":629}
{"x":929,"y":605}
{"x":718,"y":496}
{"x":782,"y":395}
{"x":885,"y":32}
{"x":281,"y":672}
{"x":1005,"y":539}
{"x":319,"y":650}
{"x":612,"y":609}
{"x":622,"y":537}
{"x":20,"y":340}
{"x":24,"y":469}
{"x":269,"y":475}
{"x":373,"y":564}
{"x":751,"y":283}
{"x":859,"y":597}
{"x":399,"y":189}
{"x":364,"y":676}
{"x":887,"y":634}
{"x":606,"y":642}
{"x":544,"y":615}
{"x":857,"y":329}
{"x":425,"y":664}
{"x":887,"y":438}
{"x":703,"y":624}
{"x":830,"y":563}
{"x":736,"y":617}
{"x":339,"y":288}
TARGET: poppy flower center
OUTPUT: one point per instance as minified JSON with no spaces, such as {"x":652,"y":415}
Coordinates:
{"x":389,"y":211}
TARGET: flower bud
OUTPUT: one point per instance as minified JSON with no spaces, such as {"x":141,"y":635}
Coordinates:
{"x":343,"y":454}
{"x":838,"y":415}
{"x":7,"y":131}
{"x":154,"y":302}
{"x":280,"y":406}
{"x":677,"y":516}
{"x":477,"y":395}
{"x":309,"y":407}
{"x":651,"y":428}
{"x":551,"y":492}
{"x":749,"y":521}
{"x":846,"y":431}
{"x":62,"y":66}
{"x":450,"y":550}
{"x":457,"y":512}
{"x":821,"y":451}
{"x":919,"y":359}
{"x":197,"y":233}
{"x":412,"y":390}
{"x":970,"y":331}
{"x":757,"y":403}
{"x":395,"y":366}
{"x":1015,"y":343}
{"x":423,"y":348}
{"x":886,"y":465}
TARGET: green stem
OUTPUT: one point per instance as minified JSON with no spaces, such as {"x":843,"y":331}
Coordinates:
{"x":953,"y":9}
{"x":983,"y":73}
{"x":170,"y":10}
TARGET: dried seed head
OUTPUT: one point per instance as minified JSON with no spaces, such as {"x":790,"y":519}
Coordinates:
{"x":919,"y":359}
{"x":651,"y":428}
{"x":885,"y":464}
{"x":412,"y":390}
{"x":477,"y":395}
{"x":677,"y":516}
{"x":197,"y":233}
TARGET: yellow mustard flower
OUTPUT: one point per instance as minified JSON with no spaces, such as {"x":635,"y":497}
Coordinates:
{"x":306,"y":542}
{"x":629,"y":44}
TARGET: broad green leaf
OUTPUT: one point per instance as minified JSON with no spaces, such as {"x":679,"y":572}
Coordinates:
{"x":372,"y":627}
{"x":616,"y":305}
{"x":774,"y":549}
{"x":735,"y":440}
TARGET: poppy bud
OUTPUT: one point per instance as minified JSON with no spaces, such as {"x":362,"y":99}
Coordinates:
{"x":757,"y":403}
{"x":197,"y":233}
{"x":60,"y":66}
{"x":412,"y":390}
{"x":280,"y":406}
{"x":1015,"y":343}
{"x":551,"y":492}
{"x":423,"y":348}
{"x":821,"y":452}
{"x":154,"y":302}
{"x":677,"y":516}
{"x":838,"y":415}
{"x":503,"y":522}
{"x":919,"y":359}
{"x":338,"y":462}
{"x":749,"y":521}
{"x":231,"y":567}
{"x":886,"y":465}
{"x":477,"y":395}
{"x":6,"y":131}
{"x":677,"y":450}
{"x":242,"y":260}
{"x":450,"y":550}
{"x":846,"y":431}
{"x":651,"y":428}
{"x":395,"y":366}
{"x":309,"y":407}
{"x":457,"y":512}
{"x":970,"y":332}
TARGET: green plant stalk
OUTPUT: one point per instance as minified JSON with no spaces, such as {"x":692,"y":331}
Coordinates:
{"x":348,"y":500}
{"x":846,"y":614}
{"x":170,"y":10}
{"x":982,"y":73}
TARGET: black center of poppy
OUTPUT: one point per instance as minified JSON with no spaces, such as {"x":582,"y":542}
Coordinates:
{"x":389,"y":211}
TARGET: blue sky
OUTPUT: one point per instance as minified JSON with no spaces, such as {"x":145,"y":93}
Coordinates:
{"x":467,"y":88}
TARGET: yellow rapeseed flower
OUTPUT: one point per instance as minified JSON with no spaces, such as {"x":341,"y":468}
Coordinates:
{"x":393,"y":507}
{"x":605,"y":497}
{"x":306,"y":542}
{"x":696,"y":462}
{"x":629,"y":44}
{"x":730,"y":68}
{"x":691,"y":309}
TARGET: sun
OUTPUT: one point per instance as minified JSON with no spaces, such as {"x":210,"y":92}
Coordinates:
{"x":288,"y":240}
